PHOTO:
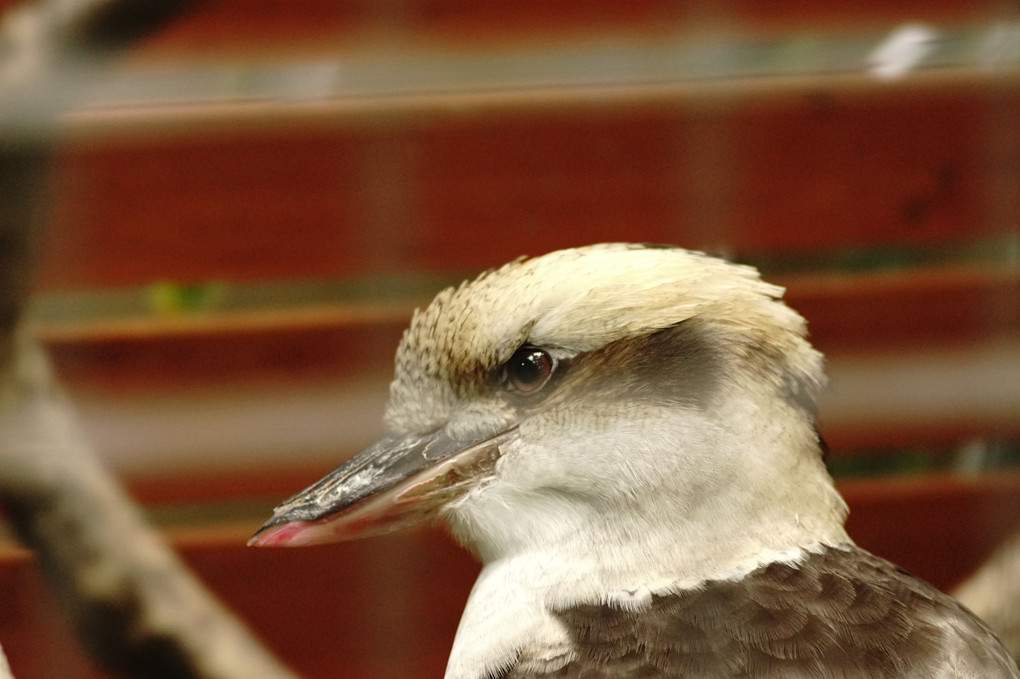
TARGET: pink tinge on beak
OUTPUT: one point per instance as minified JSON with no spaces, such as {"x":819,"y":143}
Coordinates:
{"x":380,"y":514}
{"x":285,"y":534}
{"x":303,"y":533}
{"x":418,"y":498}
{"x":390,"y":510}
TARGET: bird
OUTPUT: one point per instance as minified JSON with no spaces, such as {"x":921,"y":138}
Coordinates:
{"x":624,"y":435}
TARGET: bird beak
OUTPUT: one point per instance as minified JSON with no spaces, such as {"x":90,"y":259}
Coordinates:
{"x":396,"y":482}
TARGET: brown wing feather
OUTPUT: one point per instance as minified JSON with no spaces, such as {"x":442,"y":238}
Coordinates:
{"x":840,"y":613}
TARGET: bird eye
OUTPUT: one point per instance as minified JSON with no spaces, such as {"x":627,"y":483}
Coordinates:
{"x":528,"y":369}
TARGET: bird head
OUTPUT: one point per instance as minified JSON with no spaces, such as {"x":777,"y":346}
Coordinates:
{"x":580,"y":388}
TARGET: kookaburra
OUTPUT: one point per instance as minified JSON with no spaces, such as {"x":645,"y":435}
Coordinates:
{"x":624,"y":435}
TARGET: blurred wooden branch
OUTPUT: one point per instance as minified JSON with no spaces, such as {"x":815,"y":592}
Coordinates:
{"x":34,"y":35}
{"x":993,"y":593}
{"x":5,"y":669}
{"x":136,"y":605}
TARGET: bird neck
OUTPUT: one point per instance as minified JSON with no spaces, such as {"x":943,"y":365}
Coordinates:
{"x":511,"y":614}
{"x":767,"y":497}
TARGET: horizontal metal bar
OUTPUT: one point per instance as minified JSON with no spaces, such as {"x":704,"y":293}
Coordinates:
{"x":407,"y":79}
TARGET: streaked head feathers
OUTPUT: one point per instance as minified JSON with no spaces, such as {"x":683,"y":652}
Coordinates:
{"x":578,"y":300}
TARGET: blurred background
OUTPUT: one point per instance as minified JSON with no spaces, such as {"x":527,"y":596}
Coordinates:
{"x":245,"y":207}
